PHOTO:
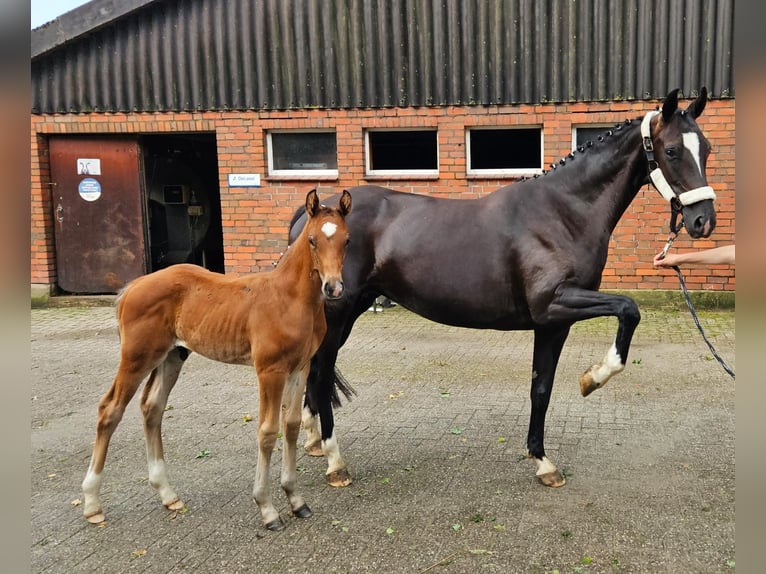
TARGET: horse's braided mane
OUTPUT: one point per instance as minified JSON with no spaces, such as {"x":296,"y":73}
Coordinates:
{"x":583,"y":148}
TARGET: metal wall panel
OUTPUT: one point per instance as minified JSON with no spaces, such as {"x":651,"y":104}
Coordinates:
{"x":281,"y":54}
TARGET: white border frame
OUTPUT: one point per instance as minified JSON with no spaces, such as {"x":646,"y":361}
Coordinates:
{"x":298,"y":172}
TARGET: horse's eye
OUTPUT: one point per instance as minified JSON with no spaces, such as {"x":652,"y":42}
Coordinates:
{"x":312,"y":241}
{"x":348,"y":240}
{"x":671,"y":153}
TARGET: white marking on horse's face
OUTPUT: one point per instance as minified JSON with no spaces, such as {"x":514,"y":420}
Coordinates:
{"x":329,"y":229}
{"x":692,"y":143}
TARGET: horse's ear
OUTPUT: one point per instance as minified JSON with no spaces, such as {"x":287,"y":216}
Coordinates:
{"x":696,"y":108}
{"x":670,"y":105}
{"x":312,"y":203}
{"x":345,"y":203}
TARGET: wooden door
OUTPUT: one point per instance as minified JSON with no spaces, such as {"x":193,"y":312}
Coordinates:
{"x":98,"y":212}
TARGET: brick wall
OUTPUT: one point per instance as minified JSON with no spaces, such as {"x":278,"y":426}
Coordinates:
{"x":255,"y":219}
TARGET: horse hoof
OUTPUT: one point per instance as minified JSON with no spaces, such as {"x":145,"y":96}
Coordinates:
{"x":275,"y":525}
{"x":587,"y":384}
{"x":553,"y":479}
{"x":314,"y":449}
{"x":96,"y":518}
{"x":177,"y":504}
{"x":339,"y":478}
{"x":303,"y":512}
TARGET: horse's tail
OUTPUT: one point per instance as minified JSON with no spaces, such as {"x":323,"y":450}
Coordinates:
{"x":340,"y":383}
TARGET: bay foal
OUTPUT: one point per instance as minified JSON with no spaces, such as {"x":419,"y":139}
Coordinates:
{"x":274,"y":321}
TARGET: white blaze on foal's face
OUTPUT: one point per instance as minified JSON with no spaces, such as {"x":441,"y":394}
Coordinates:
{"x":692,"y":143}
{"x":329,"y":229}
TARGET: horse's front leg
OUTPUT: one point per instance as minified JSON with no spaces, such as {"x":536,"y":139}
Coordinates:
{"x":548,"y":345}
{"x":319,"y":392}
{"x":291,"y":420}
{"x":270,"y":389}
{"x":575,"y":304}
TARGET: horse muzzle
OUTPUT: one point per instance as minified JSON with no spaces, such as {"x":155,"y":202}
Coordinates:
{"x":332,"y":289}
{"x":701,"y":222}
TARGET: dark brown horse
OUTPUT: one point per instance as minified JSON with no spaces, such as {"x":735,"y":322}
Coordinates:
{"x":274,"y":321}
{"x":528,"y":256}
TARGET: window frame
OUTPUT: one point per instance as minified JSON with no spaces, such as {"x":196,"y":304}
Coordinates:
{"x":272,"y":172}
{"x":509,"y":171}
{"x":596,"y":126}
{"x":373,"y":173}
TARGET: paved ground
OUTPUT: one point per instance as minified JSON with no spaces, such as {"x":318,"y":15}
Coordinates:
{"x":433,"y":440}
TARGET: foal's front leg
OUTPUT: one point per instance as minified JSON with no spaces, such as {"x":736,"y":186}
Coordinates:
{"x":270,"y":386}
{"x":291,"y":421}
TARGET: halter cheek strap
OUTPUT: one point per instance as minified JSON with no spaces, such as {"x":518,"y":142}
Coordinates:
{"x":658,"y":178}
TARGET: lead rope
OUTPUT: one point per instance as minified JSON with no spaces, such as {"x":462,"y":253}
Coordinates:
{"x":718,"y":358}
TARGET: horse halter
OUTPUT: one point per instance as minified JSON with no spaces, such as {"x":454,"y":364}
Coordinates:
{"x":677,"y":202}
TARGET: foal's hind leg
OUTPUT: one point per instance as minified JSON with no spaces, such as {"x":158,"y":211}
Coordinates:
{"x":548,"y":345}
{"x":153,"y":402}
{"x":111,"y":407}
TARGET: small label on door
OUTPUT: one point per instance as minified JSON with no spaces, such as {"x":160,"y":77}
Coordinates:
{"x":90,"y":189}
{"x":88,"y":166}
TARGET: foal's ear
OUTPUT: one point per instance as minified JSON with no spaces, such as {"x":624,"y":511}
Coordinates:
{"x":345,"y":203}
{"x":312,"y":203}
{"x":696,"y":108}
{"x":670,"y":105}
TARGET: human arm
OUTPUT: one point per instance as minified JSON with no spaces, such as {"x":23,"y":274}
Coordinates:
{"x":715,"y":256}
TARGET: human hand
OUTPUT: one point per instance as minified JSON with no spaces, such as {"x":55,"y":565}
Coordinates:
{"x":663,"y":261}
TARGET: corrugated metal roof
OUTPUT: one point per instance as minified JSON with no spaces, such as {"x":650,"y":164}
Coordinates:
{"x":279,"y":54}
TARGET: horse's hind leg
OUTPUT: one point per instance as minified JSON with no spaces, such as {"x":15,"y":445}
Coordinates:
{"x":291,"y":422}
{"x":153,"y":402}
{"x":548,"y":345}
{"x":111,"y":408}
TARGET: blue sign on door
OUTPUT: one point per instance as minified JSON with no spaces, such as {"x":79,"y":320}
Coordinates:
{"x":90,"y":189}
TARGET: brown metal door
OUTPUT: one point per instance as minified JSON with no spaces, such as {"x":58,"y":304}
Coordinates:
{"x":98,"y":216}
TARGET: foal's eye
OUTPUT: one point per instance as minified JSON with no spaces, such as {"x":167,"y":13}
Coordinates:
{"x":312,"y":241}
{"x":671,"y":153}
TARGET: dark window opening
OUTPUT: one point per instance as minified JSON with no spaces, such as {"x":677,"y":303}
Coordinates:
{"x":500,"y":149}
{"x":304,"y":151}
{"x":585,"y":134}
{"x":403,"y":150}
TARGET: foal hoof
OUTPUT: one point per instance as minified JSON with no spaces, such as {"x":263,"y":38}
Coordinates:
{"x":275,"y":525}
{"x":96,"y":518}
{"x":339,"y":478}
{"x":314,"y":449}
{"x":587,"y":384}
{"x":177,"y":504}
{"x":553,"y":479}
{"x":303,"y":512}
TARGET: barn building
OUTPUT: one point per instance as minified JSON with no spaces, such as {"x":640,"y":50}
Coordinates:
{"x":165,"y":131}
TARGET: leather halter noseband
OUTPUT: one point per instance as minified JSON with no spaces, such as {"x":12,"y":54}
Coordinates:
{"x":677,"y":202}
